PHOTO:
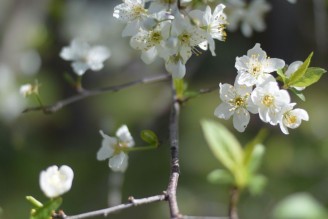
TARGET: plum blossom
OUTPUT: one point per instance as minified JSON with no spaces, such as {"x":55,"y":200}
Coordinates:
{"x":115,"y":148}
{"x":254,"y":68}
{"x":133,"y":13}
{"x":214,"y":25}
{"x":236,"y":102}
{"x":26,"y":90}
{"x":55,"y":182}
{"x":84,"y":57}
{"x":292,"y":118}
{"x":270,"y":101}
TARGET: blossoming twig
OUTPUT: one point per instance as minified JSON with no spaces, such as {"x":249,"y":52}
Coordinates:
{"x":88,"y":93}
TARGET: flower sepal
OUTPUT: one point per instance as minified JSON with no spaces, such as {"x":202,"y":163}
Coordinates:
{"x":42,"y":211}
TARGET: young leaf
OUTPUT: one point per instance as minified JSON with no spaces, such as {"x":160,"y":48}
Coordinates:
{"x":149,"y":137}
{"x":34,"y":202}
{"x":257,"y":184}
{"x":180,"y":87}
{"x":298,"y":93}
{"x":282,"y":76}
{"x":296,"y":76}
{"x":255,"y":158}
{"x":311,"y":76}
{"x":223,"y":144}
{"x":46,"y":211}
{"x":249,"y":148}
{"x":220,"y":176}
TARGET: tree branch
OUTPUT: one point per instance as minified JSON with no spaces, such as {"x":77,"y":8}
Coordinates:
{"x":104,"y":212}
{"x":175,"y":167}
{"x":234,"y":198}
{"x":88,"y":93}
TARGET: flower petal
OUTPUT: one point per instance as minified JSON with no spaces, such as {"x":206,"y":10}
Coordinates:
{"x":119,"y":162}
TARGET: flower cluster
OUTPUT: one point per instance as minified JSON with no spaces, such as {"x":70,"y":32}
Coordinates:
{"x":116,"y":149}
{"x":256,"y":91}
{"x":161,"y":30}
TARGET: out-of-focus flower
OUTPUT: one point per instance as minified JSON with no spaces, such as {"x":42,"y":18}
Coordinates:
{"x":254,"y":68}
{"x":115,"y":148}
{"x":85,"y":57}
{"x":26,"y":90}
{"x":249,"y":15}
{"x":55,"y":182}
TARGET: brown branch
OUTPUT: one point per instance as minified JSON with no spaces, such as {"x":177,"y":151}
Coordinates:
{"x":234,"y":198}
{"x":88,"y":93}
{"x":175,"y":167}
{"x":104,"y":212}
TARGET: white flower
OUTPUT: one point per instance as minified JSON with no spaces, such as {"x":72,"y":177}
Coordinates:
{"x":84,"y":56}
{"x":292,"y":1}
{"x":55,"y":182}
{"x":133,"y":13}
{"x":214,"y":25}
{"x":270,"y":101}
{"x":251,"y":16}
{"x":151,"y":42}
{"x":176,"y":66}
{"x":292,"y":68}
{"x":26,"y":90}
{"x":292,"y":118}
{"x":114,"y":148}
{"x":254,"y":68}
{"x":236,"y":102}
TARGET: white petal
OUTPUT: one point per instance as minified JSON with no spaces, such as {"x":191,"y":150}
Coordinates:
{"x":227,"y":92}
{"x":96,"y":56}
{"x":241,"y":119}
{"x":107,"y":147}
{"x":293,"y":68}
{"x":223,"y":111}
{"x":80,"y":67}
{"x":67,"y":54}
{"x":257,"y":51}
{"x":124,"y":135}
{"x":119,"y":162}
{"x":283,"y":128}
{"x":273,"y":64}
{"x":130,"y":29}
{"x":149,"y":56}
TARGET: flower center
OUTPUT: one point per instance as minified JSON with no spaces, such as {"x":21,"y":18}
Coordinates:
{"x":239,"y":101}
{"x":168,"y":1}
{"x":290,"y":119}
{"x":138,"y":10}
{"x":268,"y":100}
{"x":185,"y":38}
{"x":155,"y":37}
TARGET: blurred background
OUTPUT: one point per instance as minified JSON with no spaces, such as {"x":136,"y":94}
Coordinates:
{"x":32,"y":33}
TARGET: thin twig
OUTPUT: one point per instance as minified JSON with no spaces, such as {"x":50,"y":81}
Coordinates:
{"x":200,"y":92}
{"x":88,"y":93}
{"x":175,"y":167}
{"x":234,"y":198}
{"x":202,"y":217}
{"x":132,"y":203}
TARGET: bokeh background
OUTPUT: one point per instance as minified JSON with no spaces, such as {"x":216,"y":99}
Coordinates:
{"x":32,"y":33}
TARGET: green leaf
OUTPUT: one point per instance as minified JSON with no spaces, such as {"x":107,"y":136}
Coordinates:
{"x":249,"y":148}
{"x":256,"y":158}
{"x":257,"y":184}
{"x":311,"y":76}
{"x":220,"y":176}
{"x":34,"y":202}
{"x":298,"y":93}
{"x":150,"y":137}
{"x":300,"y":206}
{"x":297,"y":75}
{"x":46,"y":211}
{"x":282,"y":75}
{"x":223,"y":144}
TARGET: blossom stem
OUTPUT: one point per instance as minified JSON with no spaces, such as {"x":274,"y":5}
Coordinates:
{"x":234,"y":198}
{"x":142,"y":148}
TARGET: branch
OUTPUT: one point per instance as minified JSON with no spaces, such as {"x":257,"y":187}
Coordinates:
{"x":234,"y":198}
{"x":104,"y":212}
{"x":175,"y":167}
{"x":200,"y":92}
{"x":88,"y":93}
